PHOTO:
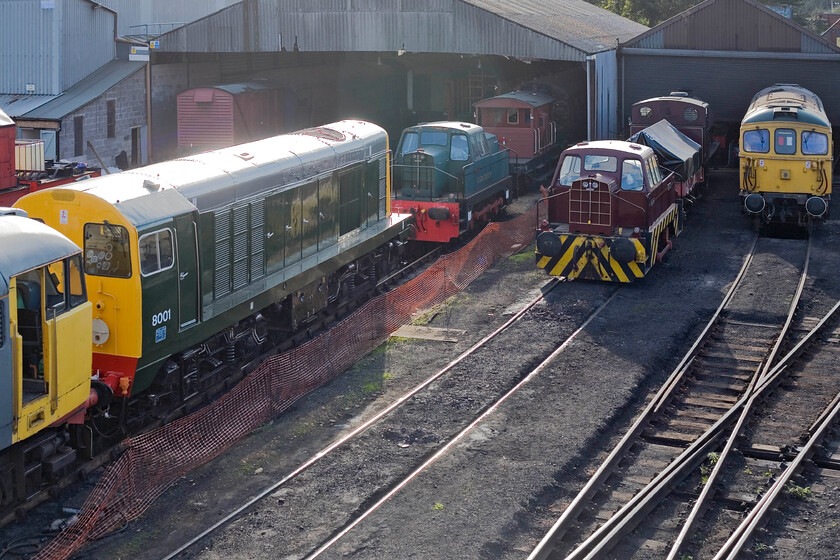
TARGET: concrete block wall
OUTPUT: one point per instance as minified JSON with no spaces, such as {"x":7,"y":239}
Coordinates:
{"x":130,"y":98}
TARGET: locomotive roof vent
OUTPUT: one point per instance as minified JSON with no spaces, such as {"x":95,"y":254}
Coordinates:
{"x":465,"y":125}
{"x":678,"y":94}
{"x":150,"y":185}
{"x":635,"y":147}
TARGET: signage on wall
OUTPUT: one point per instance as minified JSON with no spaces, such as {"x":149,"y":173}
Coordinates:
{"x":139,"y":53}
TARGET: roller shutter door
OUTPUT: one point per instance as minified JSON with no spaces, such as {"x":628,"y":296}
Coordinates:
{"x":727,"y":84}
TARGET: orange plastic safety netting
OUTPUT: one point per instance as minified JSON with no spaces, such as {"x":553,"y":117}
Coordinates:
{"x":155,"y":460}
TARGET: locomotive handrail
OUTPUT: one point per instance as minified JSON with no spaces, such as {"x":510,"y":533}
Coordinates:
{"x":435,"y":168}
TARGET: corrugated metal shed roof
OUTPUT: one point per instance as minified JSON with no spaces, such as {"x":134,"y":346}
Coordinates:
{"x":16,"y":105}
{"x":547,"y":29}
{"x":732,"y":25}
{"x":86,"y":91}
{"x":580,"y":24}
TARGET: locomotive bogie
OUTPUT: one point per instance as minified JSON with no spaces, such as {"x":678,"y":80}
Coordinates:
{"x":786,"y":157}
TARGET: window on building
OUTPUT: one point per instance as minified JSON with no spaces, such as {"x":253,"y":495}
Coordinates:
{"x":112,"y":118}
{"x":78,"y":136}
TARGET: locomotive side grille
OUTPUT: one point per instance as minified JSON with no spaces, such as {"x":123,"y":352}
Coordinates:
{"x":257,"y":239}
{"x":590,"y":203}
{"x":240,"y":247}
{"x":221,"y":280}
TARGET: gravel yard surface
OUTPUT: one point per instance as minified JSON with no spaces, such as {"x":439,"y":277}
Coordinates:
{"x":497,"y":491}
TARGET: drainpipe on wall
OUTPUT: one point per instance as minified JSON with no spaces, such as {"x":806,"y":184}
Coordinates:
{"x":148,"y":112}
{"x":589,"y":103}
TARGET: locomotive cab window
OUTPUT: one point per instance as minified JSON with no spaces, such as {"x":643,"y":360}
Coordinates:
{"x":106,"y":250}
{"x":645,"y":112}
{"x":460,"y":149}
{"x":632,"y":176}
{"x":483,"y":144}
{"x":814,"y":143}
{"x":757,"y":141}
{"x":409,"y":143}
{"x":64,"y":285}
{"x":155,"y":250}
{"x":433,"y":139}
{"x":653,"y":172}
{"x":569,"y":171}
{"x":513,"y":116}
{"x":493,"y":117}
{"x":785,"y":141}
{"x":600,"y":163}
{"x":690,"y":114}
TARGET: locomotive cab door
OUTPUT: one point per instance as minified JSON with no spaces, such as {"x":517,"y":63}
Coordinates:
{"x":188,"y":288}
{"x":52,"y":344}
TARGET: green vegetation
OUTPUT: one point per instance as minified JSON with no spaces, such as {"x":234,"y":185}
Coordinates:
{"x":708,"y":466}
{"x":799,"y":492}
{"x":653,"y":12}
{"x":437,"y":507}
{"x":372,"y":387}
{"x":761,"y":548}
{"x":521,"y":257}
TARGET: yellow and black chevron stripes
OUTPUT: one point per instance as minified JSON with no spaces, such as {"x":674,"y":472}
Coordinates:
{"x":669,"y":217}
{"x":588,"y":258}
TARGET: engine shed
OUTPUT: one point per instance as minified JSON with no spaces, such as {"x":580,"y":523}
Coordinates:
{"x":397,"y":63}
{"x":723,"y":52}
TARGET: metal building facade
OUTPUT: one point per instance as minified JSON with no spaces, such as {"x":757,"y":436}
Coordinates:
{"x":567,"y":30}
{"x":52,"y":44}
{"x":723,"y":51}
{"x":153,"y":17}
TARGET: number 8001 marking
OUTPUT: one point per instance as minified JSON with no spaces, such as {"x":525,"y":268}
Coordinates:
{"x":161,"y":318}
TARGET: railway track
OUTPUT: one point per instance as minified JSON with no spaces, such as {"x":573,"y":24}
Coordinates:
{"x":227,"y":376}
{"x":782,"y":436}
{"x":686,"y":420}
{"x":385,"y":490}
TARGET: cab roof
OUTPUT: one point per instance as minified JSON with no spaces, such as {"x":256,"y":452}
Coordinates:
{"x":517,"y":98}
{"x":611,"y":147}
{"x":449,"y":125}
{"x":213,"y":179}
{"x":28,"y":244}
